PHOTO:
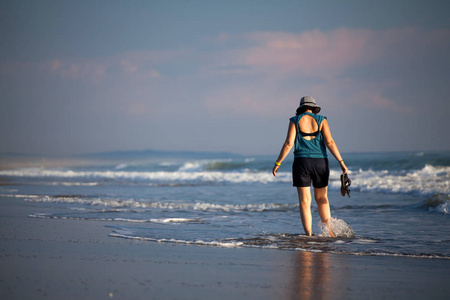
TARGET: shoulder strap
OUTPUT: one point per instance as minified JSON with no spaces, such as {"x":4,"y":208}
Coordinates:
{"x":321,"y":119}
{"x":295,"y":120}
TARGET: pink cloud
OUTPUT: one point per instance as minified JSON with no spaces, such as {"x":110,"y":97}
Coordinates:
{"x":273,"y":57}
{"x":374,"y":100}
{"x":128,"y":67}
{"x":143,"y":65}
{"x":382,"y":102}
{"x":310,"y":51}
{"x":90,"y":71}
{"x":329,"y":53}
{"x":56,"y":65}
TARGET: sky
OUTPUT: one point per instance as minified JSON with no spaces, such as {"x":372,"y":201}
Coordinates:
{"x":82,"y":77}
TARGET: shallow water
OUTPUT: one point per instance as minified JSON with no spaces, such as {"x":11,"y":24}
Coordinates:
{"x":399,"y":202}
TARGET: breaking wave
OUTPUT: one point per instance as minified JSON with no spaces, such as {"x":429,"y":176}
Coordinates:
{"x":438,"y":203}
{"x":157,"y":176}
{"x":429,"y":180}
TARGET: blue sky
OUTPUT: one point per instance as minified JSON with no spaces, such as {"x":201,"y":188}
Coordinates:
{"x":93,"y":76}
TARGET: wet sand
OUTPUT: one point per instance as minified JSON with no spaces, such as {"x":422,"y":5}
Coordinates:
{"x":74,"y":259}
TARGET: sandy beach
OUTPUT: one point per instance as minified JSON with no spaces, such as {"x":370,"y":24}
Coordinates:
{"x":70,"y":259}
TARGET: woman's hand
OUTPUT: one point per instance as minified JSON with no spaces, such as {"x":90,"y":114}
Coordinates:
{"x":343,"y":167}
{"x":275,"y":170}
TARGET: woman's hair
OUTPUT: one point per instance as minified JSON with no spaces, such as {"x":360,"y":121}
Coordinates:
{"x":304,"y":108}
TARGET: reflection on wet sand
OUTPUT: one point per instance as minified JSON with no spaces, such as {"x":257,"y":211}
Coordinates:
{"x":316,"y":277}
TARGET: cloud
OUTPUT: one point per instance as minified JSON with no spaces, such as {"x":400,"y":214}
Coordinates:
{"x":361,"y":67}
{"x":321,"y":53}
{"x":142,"y":65}
{"x":311,"y":52}
{"x":256,"y":73}
{"x":72,"y":69}
{"x":379,"y":101}
{"x":128,"y":67}
{"x":379,"y":77}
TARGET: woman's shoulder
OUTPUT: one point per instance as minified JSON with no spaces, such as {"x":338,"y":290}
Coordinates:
{"x":321,"y":117}
{"x":295,"y":119}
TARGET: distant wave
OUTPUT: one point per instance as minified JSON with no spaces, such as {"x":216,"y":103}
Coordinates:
{"x":429,"y":180}
{"x":215,"y":165}
{"x":202,"y":206}
{"x":161,"y":176}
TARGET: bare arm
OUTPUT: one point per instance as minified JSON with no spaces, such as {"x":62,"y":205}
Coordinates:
{"x":287,"y":146}
{"x":331,"y":145}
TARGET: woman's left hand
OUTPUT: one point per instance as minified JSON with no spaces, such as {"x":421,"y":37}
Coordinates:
{"x":343,"y":167}
{"x":275,"y":170}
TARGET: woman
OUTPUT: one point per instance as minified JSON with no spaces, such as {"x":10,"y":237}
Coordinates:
{"x":310,"y":135}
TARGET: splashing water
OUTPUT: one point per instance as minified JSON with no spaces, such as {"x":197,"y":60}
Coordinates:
{"x":338,"y":226}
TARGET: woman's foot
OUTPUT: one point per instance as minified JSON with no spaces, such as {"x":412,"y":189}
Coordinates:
{"x":327,"y":223}
{"x":331,"y":231}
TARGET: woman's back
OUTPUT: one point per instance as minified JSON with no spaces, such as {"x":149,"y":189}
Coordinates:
{"x":309,"y":140}
{"x":308,"y":127}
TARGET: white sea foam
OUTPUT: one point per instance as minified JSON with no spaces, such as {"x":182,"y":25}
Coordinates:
{"x":75,"y":183}
{"x":198,"y":206}
{"x":443,"y":208}
{"x":168,"y":163}
{"x":226,"y":244}
{"x":20,"y":196}
{"x":50,"y":216}
{"x":164,"y":176}
{"x":426,"y":181}
{"x":159,"y":221}
{"x":237,"y":243}
{"x":121,"y":166}
{"x":176,"y":220}
{"x":364,"y":241}
{"x":201,"y":165}
{"x":191,"y":166}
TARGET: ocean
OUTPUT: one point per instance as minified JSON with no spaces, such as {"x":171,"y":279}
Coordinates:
{"x":399,"y":204}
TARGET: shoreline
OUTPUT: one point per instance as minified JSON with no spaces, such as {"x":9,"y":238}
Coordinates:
{"x":72,"y":259}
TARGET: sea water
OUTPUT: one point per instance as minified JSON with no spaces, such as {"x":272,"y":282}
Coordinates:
{"x":399,"y":202}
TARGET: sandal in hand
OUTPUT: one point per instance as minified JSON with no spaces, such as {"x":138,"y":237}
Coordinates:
{"x":345,"y":185}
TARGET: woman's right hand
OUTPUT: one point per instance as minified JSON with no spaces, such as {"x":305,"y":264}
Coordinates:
{"x":275,"y":170}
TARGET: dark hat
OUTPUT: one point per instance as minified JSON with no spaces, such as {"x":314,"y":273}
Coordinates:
{"x":309,"y":101}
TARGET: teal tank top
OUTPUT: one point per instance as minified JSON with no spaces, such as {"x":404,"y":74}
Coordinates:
{"x":315,"y":147}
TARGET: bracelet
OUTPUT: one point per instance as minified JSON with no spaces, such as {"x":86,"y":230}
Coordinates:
{"x":341,"y":160}
{"x":277,"y":164}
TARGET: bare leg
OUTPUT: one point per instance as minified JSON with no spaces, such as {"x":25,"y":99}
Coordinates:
{"x":304,"y":200}
{"x":321,"y":197}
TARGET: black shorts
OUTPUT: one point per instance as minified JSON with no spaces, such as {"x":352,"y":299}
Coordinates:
{"x":307,"y":169}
